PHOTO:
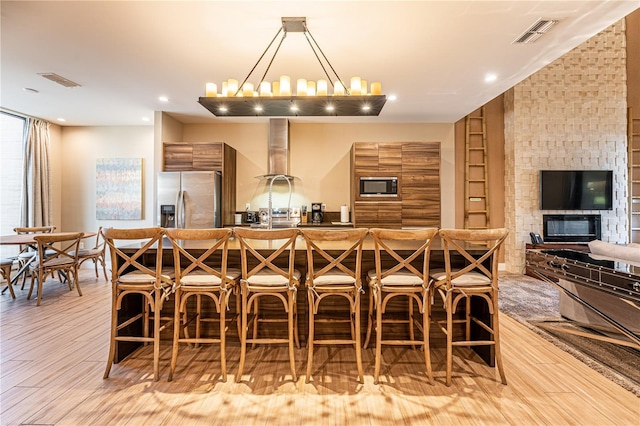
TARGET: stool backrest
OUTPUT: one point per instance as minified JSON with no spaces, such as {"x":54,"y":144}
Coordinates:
{"x":186,"y":262}
{"x":463,"y":241}
{"x":403,"y":247}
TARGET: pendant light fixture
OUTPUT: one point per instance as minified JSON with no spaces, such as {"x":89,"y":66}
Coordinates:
{"x":330,"y":97}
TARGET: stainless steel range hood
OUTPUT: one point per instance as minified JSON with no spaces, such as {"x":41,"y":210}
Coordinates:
{"x":278,"y":150}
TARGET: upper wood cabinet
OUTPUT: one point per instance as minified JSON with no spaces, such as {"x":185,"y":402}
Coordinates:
{"x":206,"y":156}
{"x":183,"y":156}
{"x":417,"y":167}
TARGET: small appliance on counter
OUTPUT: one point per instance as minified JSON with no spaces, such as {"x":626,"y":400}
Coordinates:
{"x":317,"y":214}
{"x":251,"y":217}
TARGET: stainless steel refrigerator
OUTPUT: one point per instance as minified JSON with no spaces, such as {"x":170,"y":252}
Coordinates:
{"x":189,"y":200}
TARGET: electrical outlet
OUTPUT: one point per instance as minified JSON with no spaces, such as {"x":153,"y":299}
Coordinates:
{"x":81,"y":245}
{"x":247,"y":206}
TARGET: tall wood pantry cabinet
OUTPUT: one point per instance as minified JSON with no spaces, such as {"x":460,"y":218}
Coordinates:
{"x":417,"y":167}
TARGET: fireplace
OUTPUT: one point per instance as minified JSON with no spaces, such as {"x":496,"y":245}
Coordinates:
{"x":571,"y":228}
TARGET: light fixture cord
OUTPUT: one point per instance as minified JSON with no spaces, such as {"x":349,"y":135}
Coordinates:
{"x":306,"y":31}
{"x":259,"y":59}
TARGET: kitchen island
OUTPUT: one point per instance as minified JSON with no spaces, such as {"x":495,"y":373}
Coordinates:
{"x":338,"y":307}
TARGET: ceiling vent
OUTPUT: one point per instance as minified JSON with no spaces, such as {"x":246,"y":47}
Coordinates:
{"x":540,"y":27}
{"x":59,"y":79}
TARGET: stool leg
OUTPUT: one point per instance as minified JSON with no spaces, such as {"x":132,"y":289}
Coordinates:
{"x":291,"y":317}
{"x":311,"y":298}
{"x":378,"y":298}
{"x":371,"y":319}
{"x":358,"y":334}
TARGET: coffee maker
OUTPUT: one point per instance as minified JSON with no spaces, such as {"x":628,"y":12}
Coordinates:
{"x":317,"y":215}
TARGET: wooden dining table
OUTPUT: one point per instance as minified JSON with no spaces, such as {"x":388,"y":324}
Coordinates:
{"x":29,"y":240}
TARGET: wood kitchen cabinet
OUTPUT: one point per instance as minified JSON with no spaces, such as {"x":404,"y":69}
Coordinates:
{"x":420,"y":184}
{"x":206,"y":156}
{"x":417,"y":167}
{"x":373,"y":214}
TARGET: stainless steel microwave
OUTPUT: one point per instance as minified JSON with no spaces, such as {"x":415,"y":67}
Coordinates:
{"x":379,"y":186}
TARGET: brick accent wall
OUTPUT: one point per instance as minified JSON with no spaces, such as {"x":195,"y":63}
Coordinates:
{"x":569,"y":115}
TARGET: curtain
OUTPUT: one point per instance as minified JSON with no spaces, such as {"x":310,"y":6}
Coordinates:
{"x":36,"y":193}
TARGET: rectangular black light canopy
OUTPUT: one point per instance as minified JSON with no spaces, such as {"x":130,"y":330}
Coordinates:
{"x":288,"y":106}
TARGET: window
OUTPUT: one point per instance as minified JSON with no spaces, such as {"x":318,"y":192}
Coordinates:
{"x":11,"y":152}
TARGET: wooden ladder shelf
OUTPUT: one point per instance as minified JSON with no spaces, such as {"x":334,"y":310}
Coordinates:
{"x":476,"y":187}
{"x":634,"y":176}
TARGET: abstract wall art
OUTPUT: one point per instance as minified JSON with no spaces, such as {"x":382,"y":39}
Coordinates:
{"x":119,"y":188}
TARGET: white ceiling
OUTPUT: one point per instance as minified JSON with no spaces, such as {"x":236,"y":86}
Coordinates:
{"x":433,"y":55}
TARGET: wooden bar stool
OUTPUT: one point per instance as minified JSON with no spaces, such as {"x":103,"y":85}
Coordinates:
{"x":477,"y":276}
{"x":130,"y":276}
{"x":206,"y":275}
{"x":333,"y":272}
{"x":402,"y":269}
{"x":267,"y":275}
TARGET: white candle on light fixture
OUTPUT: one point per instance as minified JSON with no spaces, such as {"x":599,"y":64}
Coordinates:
{"x":285,"y":85}
{"x":232,"y":86}
{"x":247,"y":90}
{"x":338,"y":89}
{"x":301,"y":87}
{"x":211,"y":90}
{"x":363,"y":85}
{"x":276,"y":88}
{"x":311,"y":88}
{"x":376,"y":88}
{"x":356,"y":87}
{"x":265,"y":88}
{"x":322,"y":88}
{"x":225,"y":88}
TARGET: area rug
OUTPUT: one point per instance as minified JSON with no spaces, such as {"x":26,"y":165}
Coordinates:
{"x":534,"y":303}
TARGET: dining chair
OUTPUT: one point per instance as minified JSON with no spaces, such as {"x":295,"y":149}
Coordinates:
{"x":56,"y":253}
{"x":266,"y":273}
{"x":95,"y":254}
{"x":468,"y":274}
{"x":401,"y":270}
{"x":5,"y":270}
{"x":142,"y":274}
{"x":334,"y":269}
{"x":204,"y":274}
{"x":27,"y":252}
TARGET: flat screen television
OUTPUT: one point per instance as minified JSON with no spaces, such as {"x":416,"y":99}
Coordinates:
{"x":576,"y":189}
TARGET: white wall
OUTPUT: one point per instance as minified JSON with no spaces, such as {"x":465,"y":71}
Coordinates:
{"x":319,"y":156}
{"x":80,"y":147}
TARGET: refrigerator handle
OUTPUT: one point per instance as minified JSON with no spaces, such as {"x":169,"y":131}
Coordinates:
{"x":180,"y":212}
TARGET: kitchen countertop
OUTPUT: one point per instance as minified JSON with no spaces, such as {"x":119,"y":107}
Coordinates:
{"x":307,"y":225}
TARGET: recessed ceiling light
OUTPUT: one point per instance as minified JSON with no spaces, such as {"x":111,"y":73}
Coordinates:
{"x":30,"y":90}
{"x":258,"y":108}
{"x":61,"y":119}
{"x":294,"y":108}
{"x":163,"y":99}
{"x":490,"y":78}
{"x":223,"y":109}
{"x":392,"y":97}
{"x":366,"y":108}
{"x":145,"y":118}
{"x":330,"y":108}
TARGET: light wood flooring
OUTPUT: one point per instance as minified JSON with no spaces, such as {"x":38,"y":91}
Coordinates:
{"x":52,"y":359}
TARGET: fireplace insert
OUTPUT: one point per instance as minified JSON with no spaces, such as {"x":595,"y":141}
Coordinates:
{"x":571,"y":228}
